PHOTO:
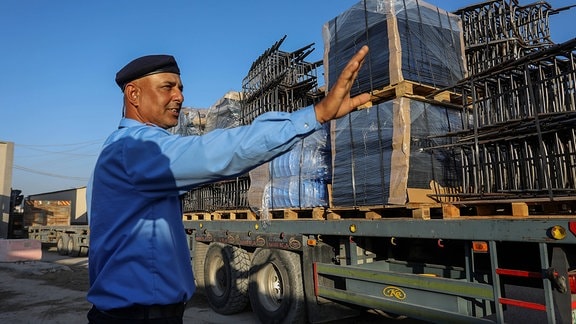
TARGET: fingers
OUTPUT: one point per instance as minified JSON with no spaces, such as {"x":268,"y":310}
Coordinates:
{"x":350,"y":72}
{"x":338,"y":103}
{"x":359,"y":100}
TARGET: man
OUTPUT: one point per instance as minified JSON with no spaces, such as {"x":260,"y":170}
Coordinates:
{"x":139,"y":262}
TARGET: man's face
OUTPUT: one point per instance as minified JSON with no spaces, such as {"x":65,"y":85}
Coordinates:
{"x":159,"y":99}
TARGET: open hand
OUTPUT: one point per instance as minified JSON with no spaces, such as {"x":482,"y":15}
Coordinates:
{"x":337,"y":102}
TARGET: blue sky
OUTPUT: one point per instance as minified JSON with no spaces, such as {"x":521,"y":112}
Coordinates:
{"x":58,"y":60}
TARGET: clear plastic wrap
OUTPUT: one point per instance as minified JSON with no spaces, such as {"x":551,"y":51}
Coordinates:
{"x":381,"y":152}
{"x":225,"y":113}
{"x":408,"y":39}
{"x":299,"y":177}
{"x":192,"y":121}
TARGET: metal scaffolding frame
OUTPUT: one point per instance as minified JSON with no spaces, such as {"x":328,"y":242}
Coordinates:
{"x":279,"y":81}
{"x":501,"y":30}
{"x":519,"y":136}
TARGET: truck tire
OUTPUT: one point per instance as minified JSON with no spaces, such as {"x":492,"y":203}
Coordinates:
{"x":62,"y":244}
{"x":73,"y":246}
{"x":198,"y":261}
{"x":276,"y":289}
{"x":226,"y":271}
{"x":83,"y":251}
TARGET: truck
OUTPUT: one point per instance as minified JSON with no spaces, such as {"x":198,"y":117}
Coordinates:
{"x":59,"y":218}
{"x":448,"y":199}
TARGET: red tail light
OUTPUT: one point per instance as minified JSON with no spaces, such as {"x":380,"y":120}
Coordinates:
{"x":572,"y":281}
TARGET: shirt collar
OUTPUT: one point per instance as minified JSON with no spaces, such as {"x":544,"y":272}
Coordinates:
{"x":128,"y":122}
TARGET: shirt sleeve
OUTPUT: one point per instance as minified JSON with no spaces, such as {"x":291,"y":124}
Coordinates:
{"x":169,"y":162}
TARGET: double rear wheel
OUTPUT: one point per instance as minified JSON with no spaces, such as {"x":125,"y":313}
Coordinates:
{"x":226,"y":270}
{"x":276,"y":291}
{"x":271,"y":283}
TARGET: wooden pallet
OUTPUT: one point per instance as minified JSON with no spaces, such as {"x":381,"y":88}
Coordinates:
{"x":478,"y":208}
{"x":411,"y":210}
{"x":513,"y":208}
{"x":243,"y":214}
{"x":298,"y":213}
{"x":246,"y":214}
{"x":413,"y":90}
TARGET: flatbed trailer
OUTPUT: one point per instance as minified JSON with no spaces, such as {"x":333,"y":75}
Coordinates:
{"x":460,"y":269}
{"x":72,"y":240}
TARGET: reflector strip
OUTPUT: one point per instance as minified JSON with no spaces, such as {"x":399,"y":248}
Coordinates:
{"x":315,"y":275}
{"x":523,"y":304}
{"x":572,"y":227}
{"x":519,"y":273}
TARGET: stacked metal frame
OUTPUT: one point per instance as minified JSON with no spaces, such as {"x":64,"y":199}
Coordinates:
{"x":223,"y":195}
{"x":521,"y":140}
{"x":501,"y":30}
{"x":279,"y":81}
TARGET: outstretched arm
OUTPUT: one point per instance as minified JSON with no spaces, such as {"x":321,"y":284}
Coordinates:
{"x":337,"y":102}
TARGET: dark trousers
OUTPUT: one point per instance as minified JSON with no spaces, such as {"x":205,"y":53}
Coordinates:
{"x":165,"y":314}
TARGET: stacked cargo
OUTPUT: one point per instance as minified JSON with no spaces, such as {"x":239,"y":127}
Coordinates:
{"x":510,"y":135}
{"x":521,"y":140}
{"x":285,"y":82}
{"x":299,"y":177}
{"x":379,"y":156}
{"x":47,"y":213}
{"x":498,"y":31}
{"x":379,"y":152}
{"x":277,"y":81}
{"x":418,"y":142}
{"x":225,"y":113}
{"x":408,"y":40}
{"x":192,"y":121}
{"x":223,"y":195}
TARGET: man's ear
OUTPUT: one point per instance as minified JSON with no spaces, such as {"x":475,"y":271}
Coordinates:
{"x":132,"y":94}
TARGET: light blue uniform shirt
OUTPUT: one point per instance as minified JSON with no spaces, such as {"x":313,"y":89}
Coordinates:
{"x":138,"y":247}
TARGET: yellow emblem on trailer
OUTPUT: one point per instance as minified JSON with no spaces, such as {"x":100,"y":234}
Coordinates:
{"x":394,"y":292}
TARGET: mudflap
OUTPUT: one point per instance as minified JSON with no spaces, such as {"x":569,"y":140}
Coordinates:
{"x":320,"y":309}
{"x":562,"y":299}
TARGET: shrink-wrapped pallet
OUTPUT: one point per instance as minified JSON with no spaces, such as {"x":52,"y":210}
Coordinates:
{"x":225,"y":113}
{"x":408,"y":39}
{"x":295,"y":179}
{"x":191,"y":121}
{"x":382,"y":153}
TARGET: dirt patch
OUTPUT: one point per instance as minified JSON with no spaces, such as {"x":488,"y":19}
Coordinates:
{"x":70,"y":277}
{"x":43,"y":295}
{"x":53,"y":291}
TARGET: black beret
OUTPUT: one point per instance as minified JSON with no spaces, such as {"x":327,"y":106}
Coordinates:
{"x":144,"y":66}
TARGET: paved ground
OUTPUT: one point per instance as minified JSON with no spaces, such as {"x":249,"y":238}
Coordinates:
{"x":53,"y":291}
